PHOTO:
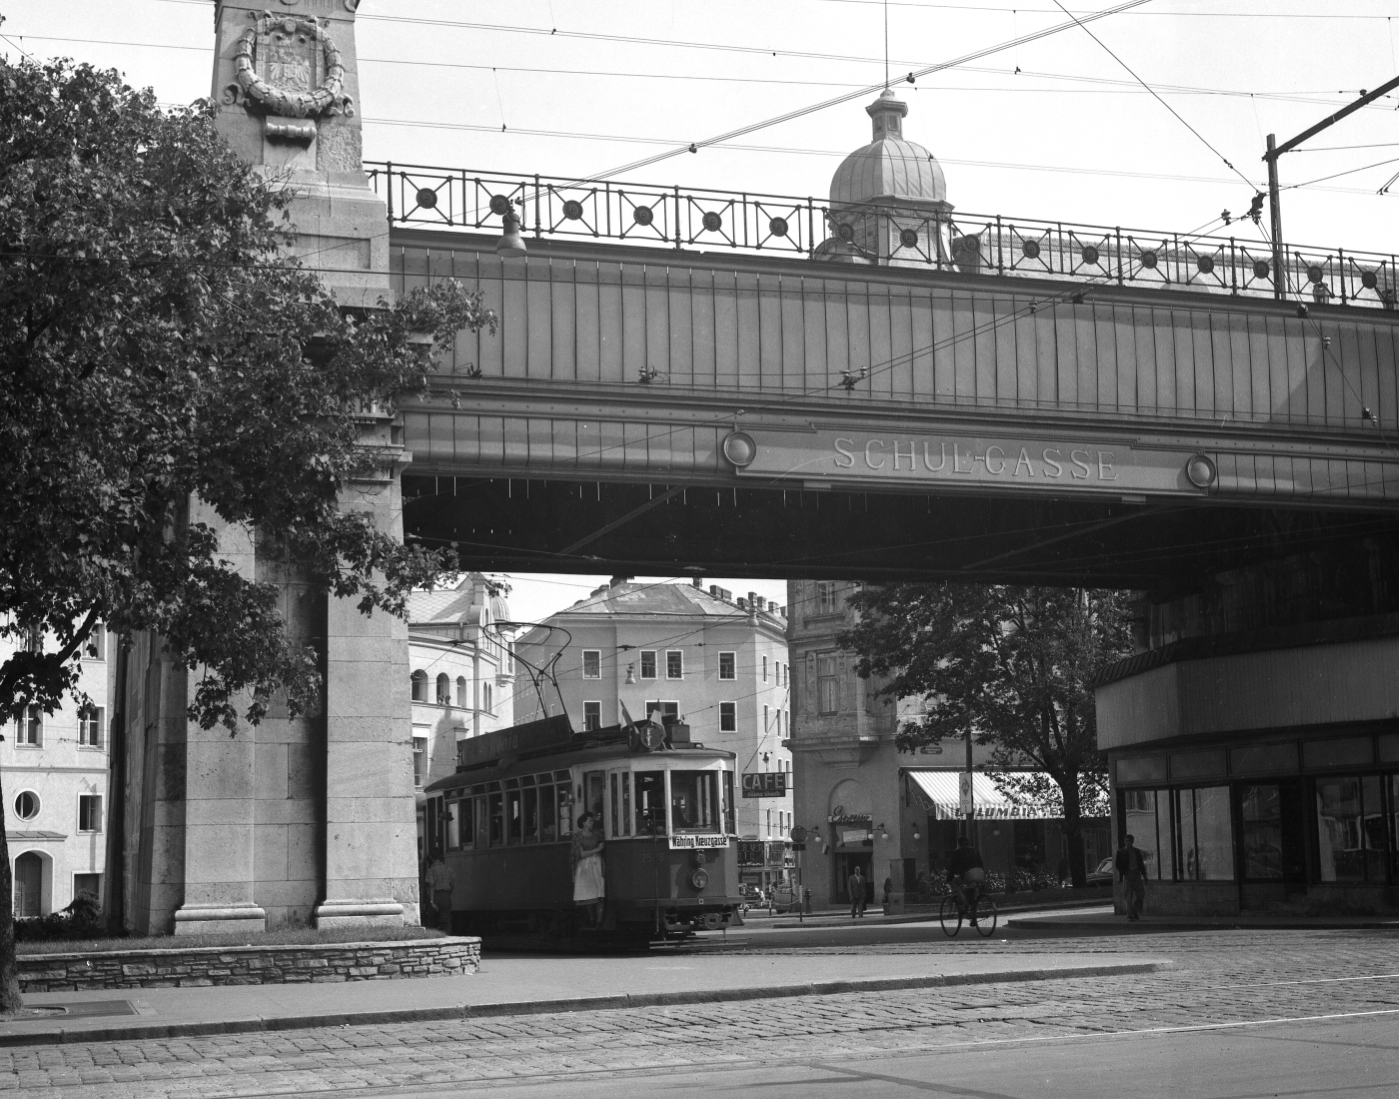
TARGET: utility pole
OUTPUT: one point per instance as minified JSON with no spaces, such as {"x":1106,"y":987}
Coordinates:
{"x":1275,"y":151}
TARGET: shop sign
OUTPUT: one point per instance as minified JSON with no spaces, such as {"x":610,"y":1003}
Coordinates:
{"x":764,"y":784}
{"x":964,"y":789}
{"x":689,"y":843}
{"x":854,"y":837}
{"x":750,"y":854}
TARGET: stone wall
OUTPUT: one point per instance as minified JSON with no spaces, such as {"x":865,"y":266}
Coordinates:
{"x":250,"y":965}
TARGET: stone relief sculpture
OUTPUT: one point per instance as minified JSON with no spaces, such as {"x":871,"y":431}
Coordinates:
{"x":289,"y":68}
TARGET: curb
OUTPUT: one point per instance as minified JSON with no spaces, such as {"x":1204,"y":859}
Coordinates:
{"x":542,"y":1007}
{"x":931,"y":917}
{"x":1042,"y":924}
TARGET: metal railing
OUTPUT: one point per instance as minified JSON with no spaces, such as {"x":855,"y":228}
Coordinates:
{"x":677,"y":218}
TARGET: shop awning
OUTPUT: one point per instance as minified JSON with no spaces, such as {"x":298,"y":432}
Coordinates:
{"x":941,"y":791}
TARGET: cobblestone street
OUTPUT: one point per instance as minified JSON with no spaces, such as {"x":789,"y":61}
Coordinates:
{"x":1216,"y":978}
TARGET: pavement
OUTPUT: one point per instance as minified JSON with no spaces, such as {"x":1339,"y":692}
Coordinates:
{"x":508,"y":985}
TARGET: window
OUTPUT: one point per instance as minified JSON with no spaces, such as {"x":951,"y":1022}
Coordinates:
{"x":461,"y":692}
{"x":650,"y":802}
{"x":30,"y":728}
{"x":514,"y":814}
{"x":663,"y":712}
{"x":87,"y":883}
{"x":1184,"y":835}
{"x":765,"y":669}
{"x":488,"y":691}
{"x":592,"y":664}
{"x":1350,"y":829}
{"x":729,"y":803}
{"x":89,"y":812}
{"x":694,"y":801}
{"x":674,"y":664}
{"x":728,"y":718}
{"x":90,"y":724}
{"x":531,"y":801}
{"x":826,"y":693}
{"x":419,"y":760}
{"x":592,"y":716}
{"x":458,"y":823}
{"x":26,"y":805}
{"x":95,"y":647}
{"x":727,"y":668}
{"x":419,"y":681}
{"x":444,"y":690}
{"x":825,"y":597}
{"x":765,"y":722}
{"x":1260,"y":818}
{"x":648,"y":663}
{"x":593,"y":795}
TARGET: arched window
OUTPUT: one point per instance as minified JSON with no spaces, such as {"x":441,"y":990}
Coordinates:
{"x":420,"y":686}
{"x":444,"y":690}
{"x":461,"y":692}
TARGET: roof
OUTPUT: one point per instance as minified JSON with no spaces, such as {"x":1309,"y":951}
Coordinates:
{"x":889,"y":167}
{"x":452,"y":605}
{"x":629,"y":598}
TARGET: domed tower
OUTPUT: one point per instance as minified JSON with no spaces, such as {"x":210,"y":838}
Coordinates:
{"x":888,"y":199}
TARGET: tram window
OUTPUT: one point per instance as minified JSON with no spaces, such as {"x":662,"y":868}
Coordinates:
{"x":532,"y":815}
{"x":626,"y":803}
{"x":593,"y":793}
{"x":454,"y":815}
{"x":694,"y":801}
{"x":616,"y":805}
{"x":565,"y":808}
{"x":514,"y":818}
{"x":497,"y":811}
{"x":548,"y":813}
{"x":650,"y":802}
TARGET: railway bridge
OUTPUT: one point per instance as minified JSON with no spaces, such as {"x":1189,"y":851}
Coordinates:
{"x":872,"y":385}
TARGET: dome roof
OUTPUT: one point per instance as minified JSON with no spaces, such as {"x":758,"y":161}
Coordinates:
{"x":888,"y":168}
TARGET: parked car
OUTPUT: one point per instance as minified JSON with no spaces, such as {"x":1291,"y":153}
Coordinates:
{"x":1103,"y":875}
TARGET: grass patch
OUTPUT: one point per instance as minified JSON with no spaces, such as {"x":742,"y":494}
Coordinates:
{"x":291,"y":936}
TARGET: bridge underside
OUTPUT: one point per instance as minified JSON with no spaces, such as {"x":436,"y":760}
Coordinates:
{"x":601,"y":526}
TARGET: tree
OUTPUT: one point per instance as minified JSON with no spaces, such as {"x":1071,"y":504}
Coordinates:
{"x":1009,"y":665}
{"x":158,"y":345}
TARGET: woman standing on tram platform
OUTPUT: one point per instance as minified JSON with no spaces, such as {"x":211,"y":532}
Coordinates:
{"x":586,"y":857}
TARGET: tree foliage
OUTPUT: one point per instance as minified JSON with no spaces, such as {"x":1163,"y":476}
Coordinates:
{"x":1010,"y":664}
{"x":158,"y":346}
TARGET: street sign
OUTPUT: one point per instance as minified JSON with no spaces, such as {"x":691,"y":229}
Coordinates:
{"x":798,"y":847}
{"x":799,"y":835}
{"x":964,"y":788}
{"x":764,"y":784}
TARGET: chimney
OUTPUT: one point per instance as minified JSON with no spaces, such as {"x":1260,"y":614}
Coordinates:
{"x":696,"y":582}
{"x":754,"y":601}
{"x":617,"y":581}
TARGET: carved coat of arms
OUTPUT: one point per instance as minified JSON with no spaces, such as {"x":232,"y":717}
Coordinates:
{"x":291,"y":68}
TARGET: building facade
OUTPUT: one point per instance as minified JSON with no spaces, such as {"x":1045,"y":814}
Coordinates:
{"x":1253,"y":741}
{"x":462,"y":677}
{"x":55,"y":769}
{"x":677,"y":651}
{"x":896,"y":815}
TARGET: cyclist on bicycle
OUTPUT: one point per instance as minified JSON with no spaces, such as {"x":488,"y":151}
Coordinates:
{"x":965,"y":869}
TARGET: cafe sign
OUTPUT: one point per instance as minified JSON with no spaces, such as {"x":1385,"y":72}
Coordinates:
{"x":1076,"y":464}
{"x":764,"y":784}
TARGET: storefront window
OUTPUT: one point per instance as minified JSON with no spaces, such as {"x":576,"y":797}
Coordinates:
{"x":1350,"y":829}
{"x":1139,"y":814}
{"x":1166,"y":852}
{"x":1212,"y":857}
{"x":694,"y":801}
{"x":1260,"y":814}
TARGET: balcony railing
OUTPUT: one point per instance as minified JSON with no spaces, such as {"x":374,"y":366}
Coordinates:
{"x":678,"y":218}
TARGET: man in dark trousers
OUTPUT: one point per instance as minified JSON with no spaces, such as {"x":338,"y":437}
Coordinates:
{"x":856,"y":884}
{"x":1131,"y":871}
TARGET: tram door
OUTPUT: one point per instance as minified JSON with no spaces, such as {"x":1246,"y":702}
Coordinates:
{"x":29,"y":877}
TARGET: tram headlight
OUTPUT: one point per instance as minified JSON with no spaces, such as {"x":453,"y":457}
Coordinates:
{"x":699,"y":879}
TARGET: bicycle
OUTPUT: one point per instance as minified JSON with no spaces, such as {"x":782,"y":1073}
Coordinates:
{"x":984,"y":916}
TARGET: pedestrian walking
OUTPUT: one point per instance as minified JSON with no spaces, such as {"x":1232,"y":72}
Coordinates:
{"x":1131,"y":871}
{"x":856,"y":884}
{"x":439,"y":881}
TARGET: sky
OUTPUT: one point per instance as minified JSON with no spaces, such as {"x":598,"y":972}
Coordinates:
{"x":1157,"y":119}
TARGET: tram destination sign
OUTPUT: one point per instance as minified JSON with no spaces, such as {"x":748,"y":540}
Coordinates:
{"x":764,"y":784}
{"x":690,"y":842}
{"x":1022,"y":463}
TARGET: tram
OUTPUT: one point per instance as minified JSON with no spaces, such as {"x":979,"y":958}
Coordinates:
{"x":504,"y":821}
